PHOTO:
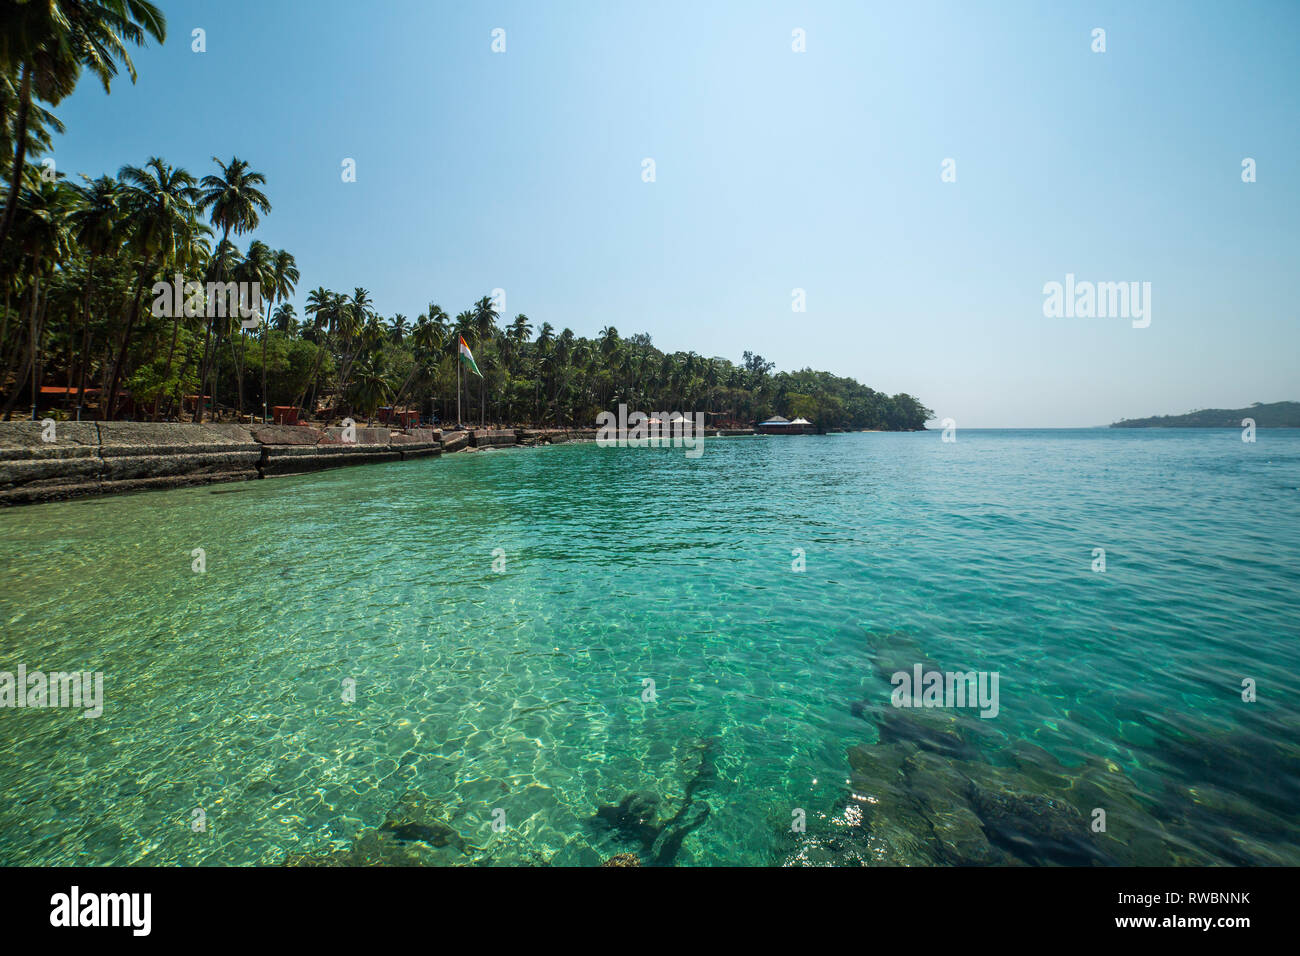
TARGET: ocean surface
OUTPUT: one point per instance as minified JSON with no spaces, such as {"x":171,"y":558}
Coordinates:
{"x":556,"y":655}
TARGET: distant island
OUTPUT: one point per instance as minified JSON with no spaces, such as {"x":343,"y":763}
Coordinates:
{"x":1274,"y":415}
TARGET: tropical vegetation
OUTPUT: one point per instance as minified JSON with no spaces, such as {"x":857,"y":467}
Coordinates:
{"x":1272,"y":415}
{"x":79,"y":261}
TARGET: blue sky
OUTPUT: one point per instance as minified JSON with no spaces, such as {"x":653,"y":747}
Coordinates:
{"x":775,"y":170}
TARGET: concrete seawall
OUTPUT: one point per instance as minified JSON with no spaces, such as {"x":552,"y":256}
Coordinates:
{"x":554,"y":436}
{"x":492,"y":437}
{"x":96,"y":458}
{"x":92,"y":458}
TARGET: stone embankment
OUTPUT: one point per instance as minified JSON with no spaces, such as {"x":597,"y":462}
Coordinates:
{"x":71,"y":459}
{"x":47,"y":462}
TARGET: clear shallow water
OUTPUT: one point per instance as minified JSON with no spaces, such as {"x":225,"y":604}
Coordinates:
{"x":522,"y":691}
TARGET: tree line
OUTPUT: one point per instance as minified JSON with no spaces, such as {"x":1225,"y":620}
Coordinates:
{"x":80,"y":260}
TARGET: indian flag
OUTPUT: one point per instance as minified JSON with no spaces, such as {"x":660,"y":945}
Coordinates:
{"x":467,"y":356}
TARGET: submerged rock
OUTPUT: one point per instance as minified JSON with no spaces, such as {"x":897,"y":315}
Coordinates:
{"x":413,"y":835}
{"x":633,"y":818}
{"x":1036,"y":828}
{"x":939,"y":731}
{"x":437,"y":834}
{"x":623,"y":859}
{"x":415,"y":818}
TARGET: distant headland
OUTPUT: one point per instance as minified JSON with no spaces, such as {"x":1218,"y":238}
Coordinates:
{"x":1273,"y":415}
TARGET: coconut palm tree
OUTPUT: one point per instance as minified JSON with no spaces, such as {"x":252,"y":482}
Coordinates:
{"x":232,"y":199}
{"x":256,"y":271}
{"x":320,"y":304}
{"x":235,"y":204}
{"x":464,"y":328}
{"x":224,"y":262}
{"x":351,"y":316}
{"x":520,"y":329}
{"x":440,"y":319}
{"x":485,"y":327}
{"x":485,"y":319}
{"x":43,"y":239}
{"x":96,"y":224}
{"x":159,"y":201}
{"x":191,"y":254}
{"x":373,"y":336}
{"x":286,"y":319}
{"x":283,"y":280}
{"x":371,"y":387}
{"x":545,"y":335}
{"x":47,"y":44}
{"x":427,"y":341}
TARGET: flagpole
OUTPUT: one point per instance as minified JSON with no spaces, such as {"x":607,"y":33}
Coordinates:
{"x":458,"y":380}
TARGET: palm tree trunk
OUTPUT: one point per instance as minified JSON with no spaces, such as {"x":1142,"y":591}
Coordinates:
{"x":239,"y":372}
{"x":216,"y":372}
{"x":203,"y":371}
{"x":20,"y":152}
{"x":401,"y":392}
{"x":29,"y":354}
{"x":311,"y":380}
{"x":10,"y":402}
{"x":38,"y":367}
{"x":266,"y":330}
{"x":171,"y":352}
{"x":207,"y":337}
{"x":107,"y":410}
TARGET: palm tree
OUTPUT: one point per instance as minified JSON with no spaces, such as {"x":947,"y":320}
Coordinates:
{"x":485,"y":319}
{"x":438,"y":318}
{"x":224,"y":262}
{"x":233,"y":199}
{"x":544,"y":338}
{"x":371,"y":387}
{"x":283,"y":280}
{"x":427,"y":341}
{"x":191,"y":252}
{"x":41,"y":123}
{"x":286,"y":319}
{"x":397,"y":328}
{"x":320,"y":302}
{"x":43,"y":239}
{"x":96,"y":225}
{"x":520,"y":329}
{"x":47,"y":45}
{"x":485,"y":327}
{"x":351,"y":316}
{"x":373,"y":336}
{"x":464,"y":328}
{"x":257,"y":270}
{"x":234,"y":204}
{"x":159,"y":200}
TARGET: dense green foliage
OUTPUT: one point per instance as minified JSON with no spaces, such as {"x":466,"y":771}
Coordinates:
{"x":79,"y":261}
{"x":1273,"y":415}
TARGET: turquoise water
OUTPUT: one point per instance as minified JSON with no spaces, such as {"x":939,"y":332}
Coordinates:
{"x":515,"y":694}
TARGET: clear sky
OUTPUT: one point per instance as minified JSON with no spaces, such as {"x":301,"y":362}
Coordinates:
{"x":776,"y":170}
